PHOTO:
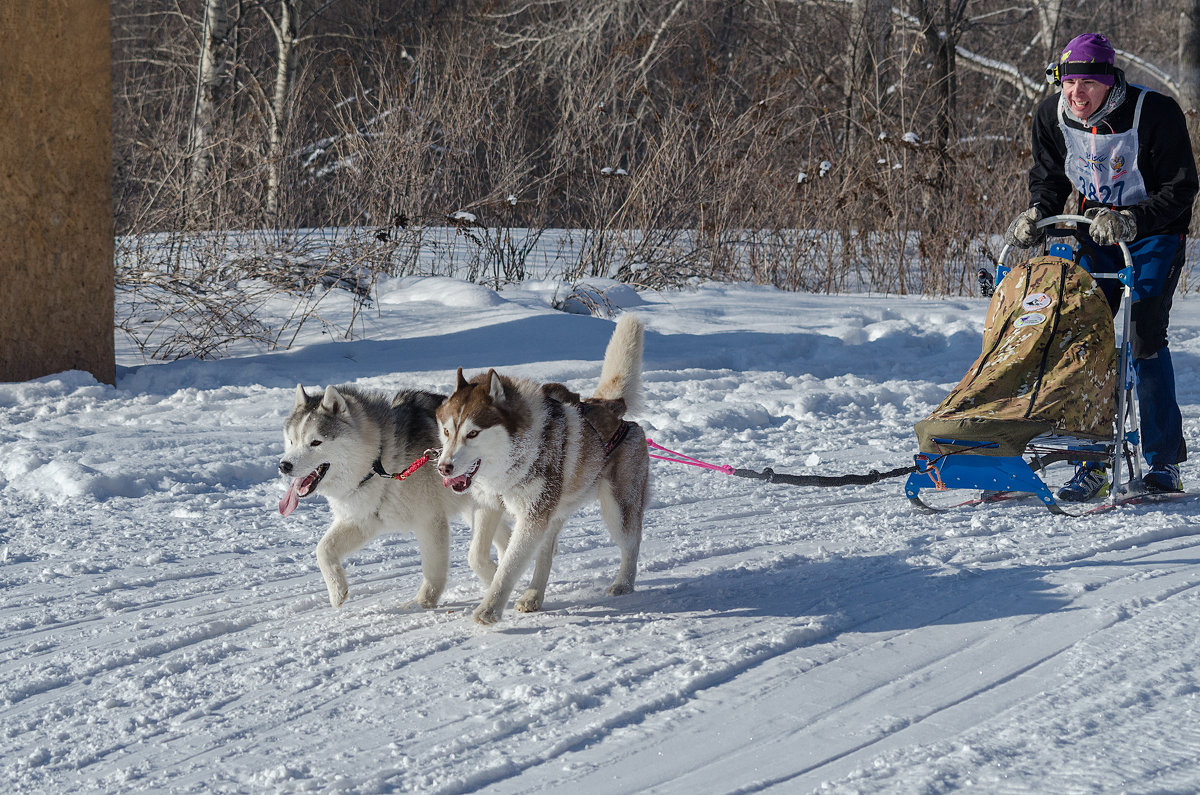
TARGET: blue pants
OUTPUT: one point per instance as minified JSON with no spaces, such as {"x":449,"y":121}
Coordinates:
{"x":1157,"y":263}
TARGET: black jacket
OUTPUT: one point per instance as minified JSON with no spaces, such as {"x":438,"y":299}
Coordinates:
{"x":1164,"y":158}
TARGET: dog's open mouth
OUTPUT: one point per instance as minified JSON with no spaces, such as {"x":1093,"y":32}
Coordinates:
{"x":309,"y":482}
{"x":460,"y":483}
{"x":301,"y":487}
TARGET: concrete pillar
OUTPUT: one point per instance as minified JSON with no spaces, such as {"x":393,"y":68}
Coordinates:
{"x":56,"y":227}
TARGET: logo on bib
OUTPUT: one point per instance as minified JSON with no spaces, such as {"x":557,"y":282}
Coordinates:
{"x":1094,"y":161}
{"x":1036,"y":301}
{"x":1118,"y":167}
{"x":1029,"y":319}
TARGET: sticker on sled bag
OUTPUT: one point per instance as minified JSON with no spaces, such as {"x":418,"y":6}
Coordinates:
{"x":1035,"y":301}
{"x":1029,"y":319}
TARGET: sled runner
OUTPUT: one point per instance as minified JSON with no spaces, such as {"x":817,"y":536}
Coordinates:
{"x":1051,"y":384}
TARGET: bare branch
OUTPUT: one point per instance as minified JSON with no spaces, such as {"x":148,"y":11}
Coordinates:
{"x":1168,"y":82}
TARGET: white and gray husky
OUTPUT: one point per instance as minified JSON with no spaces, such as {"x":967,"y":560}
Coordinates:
{"x":539,"y":451}
{"x":347,"y":445}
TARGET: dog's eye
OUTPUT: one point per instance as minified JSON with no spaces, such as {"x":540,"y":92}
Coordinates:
{"x":315,"y":443}
{"x":472,"y":434}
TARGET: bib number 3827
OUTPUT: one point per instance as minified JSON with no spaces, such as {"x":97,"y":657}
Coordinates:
{"x":1104,"y":194}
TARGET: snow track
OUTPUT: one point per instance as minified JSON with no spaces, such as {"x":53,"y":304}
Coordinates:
{"x":795,"y":657}
{"x":164,"y":630}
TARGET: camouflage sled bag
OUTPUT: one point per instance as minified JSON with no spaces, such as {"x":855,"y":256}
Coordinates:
{"x":1048,"y":366}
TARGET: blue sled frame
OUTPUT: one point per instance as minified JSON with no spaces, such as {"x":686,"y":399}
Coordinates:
{"x":991,"y":473}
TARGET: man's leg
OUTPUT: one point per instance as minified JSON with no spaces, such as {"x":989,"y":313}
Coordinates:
{"x":1158,"y":261}
{"x":1162,"y":423}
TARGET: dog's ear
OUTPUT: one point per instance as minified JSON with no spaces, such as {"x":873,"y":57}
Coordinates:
{"x":495,"y":387}
{"x":334,"y":404}
{"x":462,"y":381}
{"x":301,"y":396}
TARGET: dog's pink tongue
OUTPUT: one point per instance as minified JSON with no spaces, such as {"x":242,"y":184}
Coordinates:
{"x":292,"y":498}
{"x":456,"y":483}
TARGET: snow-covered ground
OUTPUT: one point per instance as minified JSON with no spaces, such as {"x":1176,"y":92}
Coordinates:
{"x":164,"y":629}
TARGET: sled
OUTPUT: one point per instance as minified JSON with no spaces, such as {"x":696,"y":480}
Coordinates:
{"x":1051,"y":386}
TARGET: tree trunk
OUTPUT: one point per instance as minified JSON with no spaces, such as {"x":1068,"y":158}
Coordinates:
{"x":869,"y":29}
{"x":1189,"y":61}
{"x":281,"y":100}
{"x":942,"y":44}
{"x":1049,"y":15}
{"x":212,"y":78}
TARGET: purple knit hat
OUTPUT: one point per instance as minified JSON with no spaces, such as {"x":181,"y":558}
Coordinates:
{"x":1088,"y":57}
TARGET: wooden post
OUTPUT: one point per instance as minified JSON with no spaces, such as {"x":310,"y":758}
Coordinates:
{"x":56,"y":226}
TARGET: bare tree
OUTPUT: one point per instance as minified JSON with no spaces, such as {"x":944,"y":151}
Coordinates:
{"x":1049,"y":17}
{"x":280,"y":108}
{"x":212,"y":76}
{"x":1189,"y":59}
{"x":869,"y":27}
{"x":940,"y":32}
{"x":812,"y":144}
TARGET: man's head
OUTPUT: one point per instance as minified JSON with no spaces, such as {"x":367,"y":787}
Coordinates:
{"x":1086,"y":69}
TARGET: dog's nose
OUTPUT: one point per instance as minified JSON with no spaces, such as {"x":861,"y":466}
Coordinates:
{"x":446,"y":469}
{"x":285,"y":467}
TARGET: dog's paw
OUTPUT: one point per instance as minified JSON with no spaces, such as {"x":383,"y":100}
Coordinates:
{"x":427,"y":596}
{"x":486,"y":615}
{"x":619,"y":588}
{"x":338,"y":593}
{"x":530,"y":601}
{"x":335,"y":580}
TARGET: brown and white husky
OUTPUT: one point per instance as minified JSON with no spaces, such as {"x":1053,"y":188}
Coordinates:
{"x":540,"y":452}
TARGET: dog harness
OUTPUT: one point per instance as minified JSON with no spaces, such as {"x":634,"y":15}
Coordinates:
{"x":595,"y":415}
{"x":617,"y":437}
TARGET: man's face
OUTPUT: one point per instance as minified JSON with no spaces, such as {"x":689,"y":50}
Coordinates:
{"x":1084,"y":96}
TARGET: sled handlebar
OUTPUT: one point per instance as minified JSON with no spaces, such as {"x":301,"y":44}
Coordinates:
{"x":1062,"y":219}
{"x":1054,"y":220}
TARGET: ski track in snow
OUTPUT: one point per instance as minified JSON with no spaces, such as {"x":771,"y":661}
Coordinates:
{"x":163,"y":629}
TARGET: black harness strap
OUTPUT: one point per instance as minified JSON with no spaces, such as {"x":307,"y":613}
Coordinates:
{"x":617,"y":437}
{"x":376,"y":469}
{"x":874,"y":476}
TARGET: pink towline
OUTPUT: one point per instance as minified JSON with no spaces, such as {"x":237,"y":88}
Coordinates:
{"x":680,"y":458}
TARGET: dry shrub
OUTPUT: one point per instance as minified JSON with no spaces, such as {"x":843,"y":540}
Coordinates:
{"x":675,"y":142}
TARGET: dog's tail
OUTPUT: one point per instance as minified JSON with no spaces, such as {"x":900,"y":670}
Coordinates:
{"x":621,"y":375}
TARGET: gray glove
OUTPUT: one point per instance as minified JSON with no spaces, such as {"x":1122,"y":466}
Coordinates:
{"x":1110,"y":227}
{"x":1023,"y":231}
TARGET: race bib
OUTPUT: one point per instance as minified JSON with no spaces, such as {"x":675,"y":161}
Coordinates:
{"x":1104,"y":168}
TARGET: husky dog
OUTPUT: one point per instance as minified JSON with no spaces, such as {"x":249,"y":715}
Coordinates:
{"x":539,"y":451}
{"x":344,"y":445}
